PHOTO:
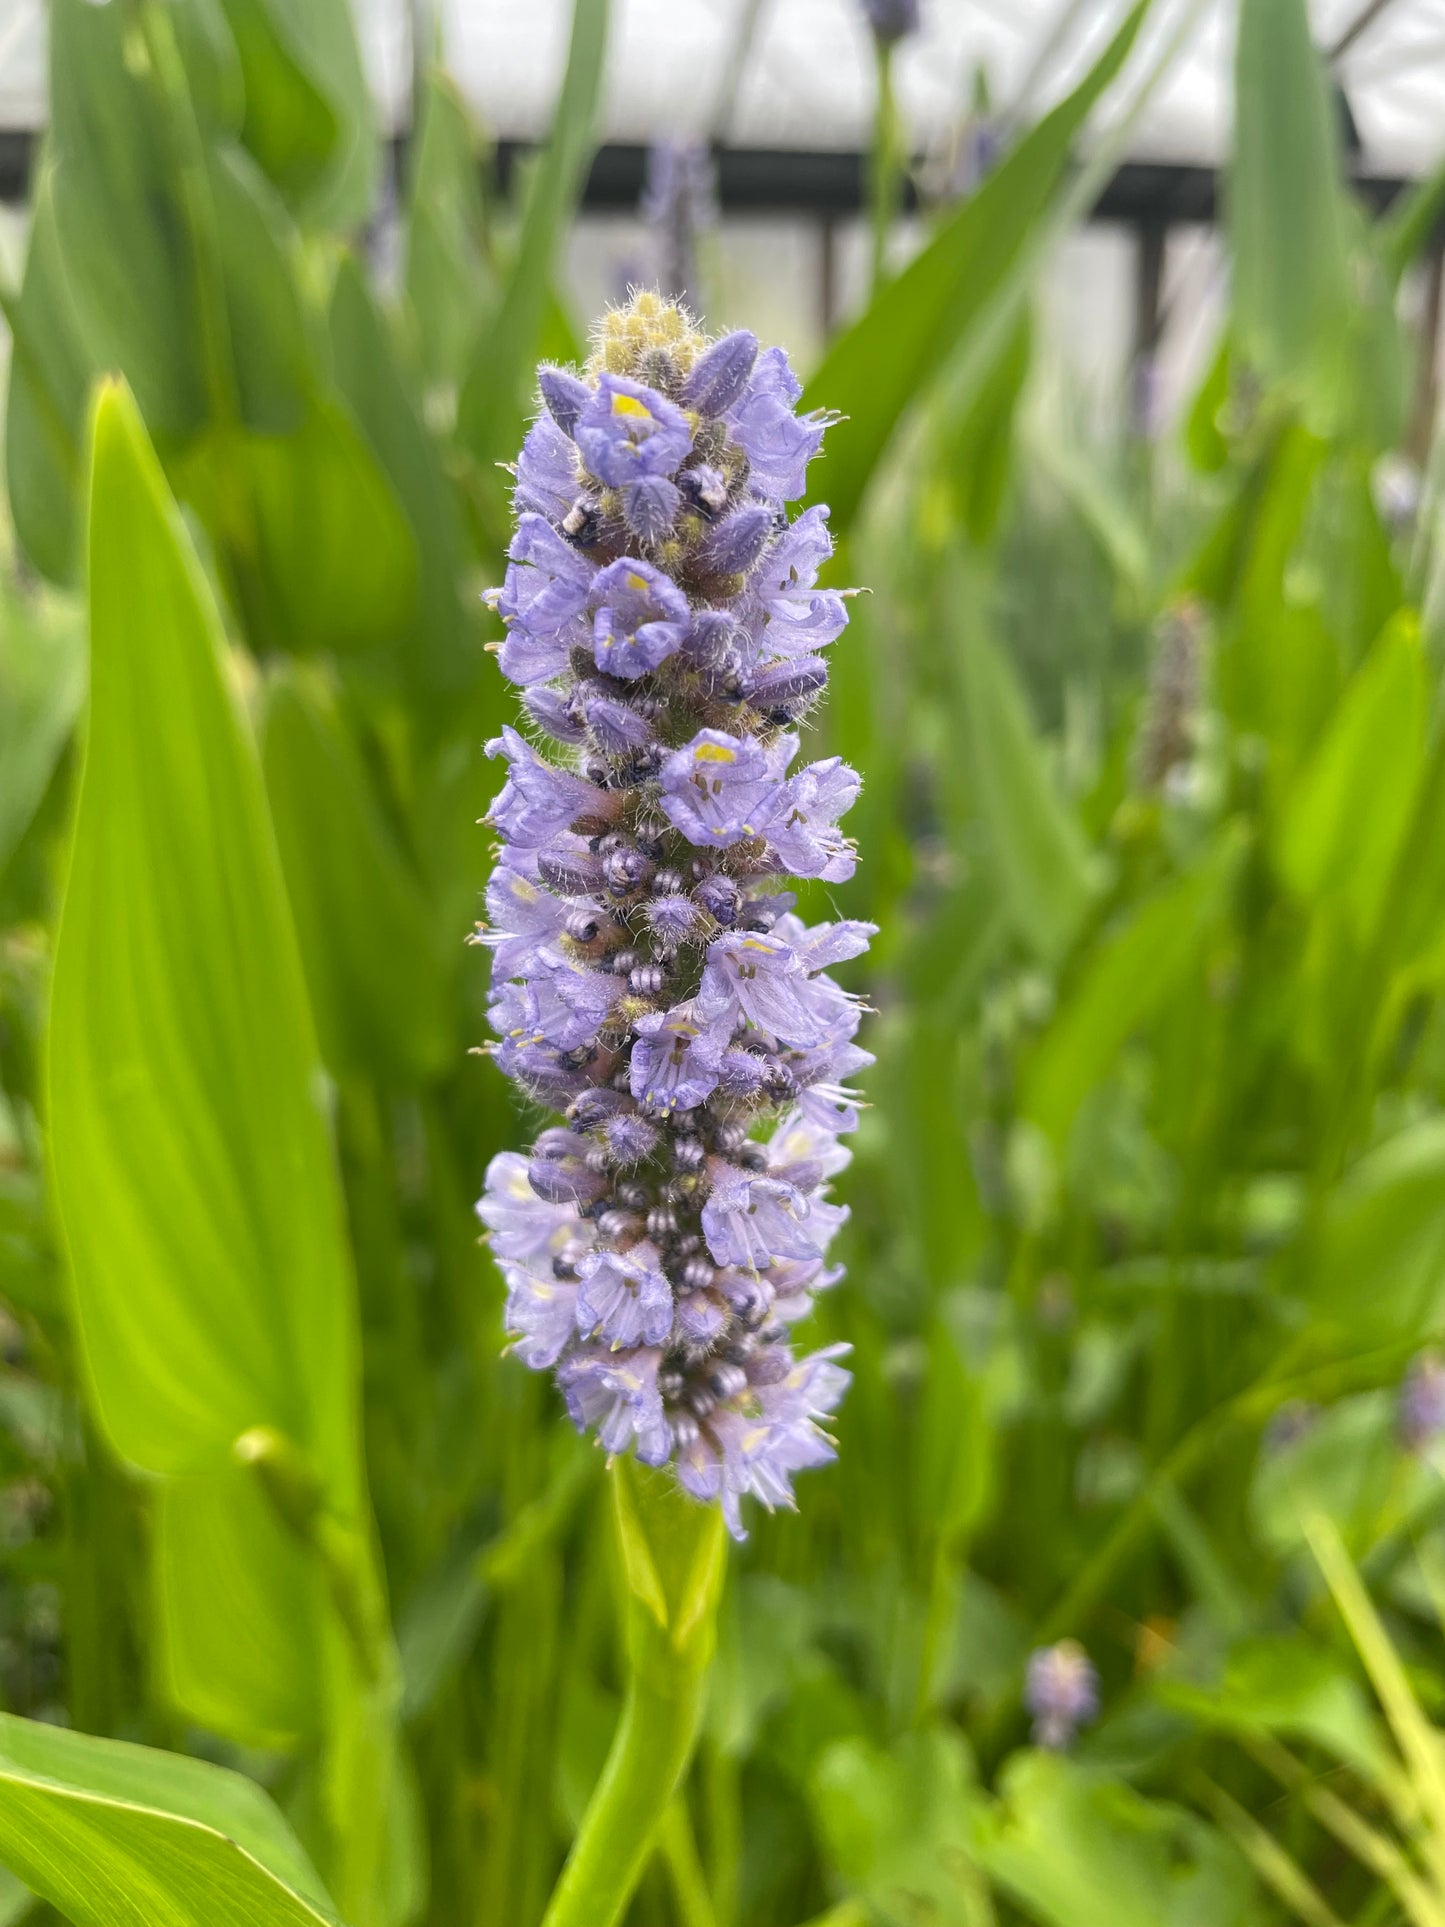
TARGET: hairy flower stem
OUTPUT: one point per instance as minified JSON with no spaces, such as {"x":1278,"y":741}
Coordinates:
{"x":887,"y":175}
{"x":673,"y":1556}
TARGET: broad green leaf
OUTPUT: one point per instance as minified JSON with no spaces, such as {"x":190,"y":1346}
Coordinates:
{"x":440,"y":652}
{"x":16,"y":1901}
{"x":289,"y":126}
{"x":240,"y":1611}
{"x":1295,"y":1688}
{"x":121,"y":231}
{"x":381,"y":1000}
{"x":321,"y":37}
{"x":173,"y":250}
{"x":193,"y":1168}
{"x":1349,"y":807}
{"x":1378,"y":1269}
{"x":1287,"y":230}
{"x":318,"y":547}
{"x":449,"y":281}
{"x":875,"y":368}
{"x":977,"y":447}
{"x":896,"y":1826}
{"x":120,"y":1836}
{"x":42,"y":683}
{"x":1046,"y":872}
{"x":1079,"y":1848}
{"x":1125,"y":980}
{"x":45,"y":406}
{"x":493,"y":401}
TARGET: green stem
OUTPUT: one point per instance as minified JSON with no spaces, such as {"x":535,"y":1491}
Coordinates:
{"x":672,"y":1558}
{"x":677,"y":1847}
{"x":649,"y":1756}
{"x":887,"y":178}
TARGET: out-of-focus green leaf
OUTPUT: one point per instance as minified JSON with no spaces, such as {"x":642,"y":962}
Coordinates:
{"x":1128,"y":977}
{"x":1204,"y":435}
{"x":1379,"y":1268}
{"x":269,"y":347}
{"x":1046,"y":873}
{"x":113,"y":1835}
{"x":493,"y":400}
{"x":240,"y":1612}
{"x":977,"y":448}
{"x":193,"y":1170}
{"x":289,"y":125}
{"x":1405,"y":229}
{"x":448,"y":280}
{"x":1291,"y":290}
{"x":896,"y":1825}
{"x":369,"y":937}
{"x":874,"y":369}
{"x":1079,"y":1848}
{"x":1345,"y":815}
{"x":45,"y":405}
{"x":1291,"y":1687}
{"x":16,"y":1901}
{"x":42,"y":682}
{"x":122,"y":235}
{"x":315,"y":538}
{"x":322,"y":38}
{"x":441,"y":653}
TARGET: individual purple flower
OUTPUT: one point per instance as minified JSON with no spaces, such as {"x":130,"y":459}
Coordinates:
{"x":719,"y":789}
{"x":1420,"y":1407}
{"x":642,"y":618}
{"x":625,"y":1298}
{"x":1061,"y":1692}
{"x":628,"y":431}
{"x":651,"y":979}
{"x":778,"y":443}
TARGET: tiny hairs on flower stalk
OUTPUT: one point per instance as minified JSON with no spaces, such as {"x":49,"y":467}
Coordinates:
{"x":651,"y":979}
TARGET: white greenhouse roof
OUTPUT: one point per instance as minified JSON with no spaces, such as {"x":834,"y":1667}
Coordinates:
{"x":807,"y":80}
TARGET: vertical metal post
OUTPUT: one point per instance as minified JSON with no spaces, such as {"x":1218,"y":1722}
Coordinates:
{"x":1151,"y":247}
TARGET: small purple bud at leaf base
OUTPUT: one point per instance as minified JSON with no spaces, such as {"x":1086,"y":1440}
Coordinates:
{"x":565,"y":395}
{"x":720,"y":374}
{"x":735,"y":545}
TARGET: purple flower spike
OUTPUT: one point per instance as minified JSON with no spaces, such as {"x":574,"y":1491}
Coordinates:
{"x":1061,"y":1692}
{"x":651,"y":979}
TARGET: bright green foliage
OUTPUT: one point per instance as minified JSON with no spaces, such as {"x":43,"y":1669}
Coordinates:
{"x":1148,"y":1207}
{"x":118,"y":1835}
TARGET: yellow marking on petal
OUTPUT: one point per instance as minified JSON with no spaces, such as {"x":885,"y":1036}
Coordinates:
{"x":714,"y":753}
{"x":638,"y":582}
{"x":630,"y":405}
{"x":756,"y":943}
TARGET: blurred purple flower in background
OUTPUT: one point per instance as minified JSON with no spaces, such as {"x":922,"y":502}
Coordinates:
{"x":892,"y":20}
{"x":1061,"y":1692}
{"x":1420,"y":1410}
{"x":650,"y":979}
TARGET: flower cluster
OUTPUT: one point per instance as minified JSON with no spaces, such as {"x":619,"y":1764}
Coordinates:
{"x":892,"y":20}
{"x":679,"y":204}
{"x":651,"y":980}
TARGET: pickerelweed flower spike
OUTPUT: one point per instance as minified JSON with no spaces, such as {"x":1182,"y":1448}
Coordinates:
{"x":892,"y":20}
{"x":651,"y":980}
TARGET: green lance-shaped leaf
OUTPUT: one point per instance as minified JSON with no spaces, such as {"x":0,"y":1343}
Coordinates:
{"x":42,"y":685}
{"x":493,"y":399}
{"x":1128,"y":979}
{"x":672,"y":1551}
{"x":1343,"y":819}
{"x":1377,"y":1268}
{"x":1078,"y":1848}
{"x":121,"y":1836}
{"x":875,"y":368}
{"x":1046,"y":872}
{"x":369,"y":938}
{"x":449,"y":280}
{"x":1287,"y":230}
{"x":50,"y":375}
{"x":289,"y":125}
{"x":194,"y":1178}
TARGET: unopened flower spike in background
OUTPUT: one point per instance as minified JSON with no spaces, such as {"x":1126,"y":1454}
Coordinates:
{"x":651,"y":980}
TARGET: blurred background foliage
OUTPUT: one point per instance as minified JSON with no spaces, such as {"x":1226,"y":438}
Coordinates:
{"x":1148,"y":1211}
